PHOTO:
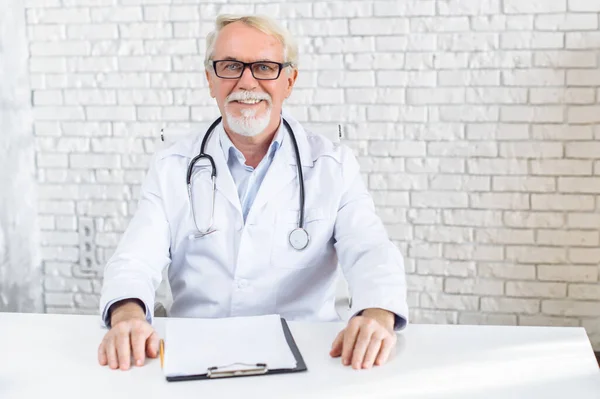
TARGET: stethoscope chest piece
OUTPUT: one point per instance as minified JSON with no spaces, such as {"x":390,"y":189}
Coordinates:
{"x":299,"y":238}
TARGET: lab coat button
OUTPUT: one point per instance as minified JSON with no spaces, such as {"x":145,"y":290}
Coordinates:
{"x":242,"y":284}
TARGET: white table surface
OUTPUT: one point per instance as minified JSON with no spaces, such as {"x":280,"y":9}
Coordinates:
{"x":56,"y":356}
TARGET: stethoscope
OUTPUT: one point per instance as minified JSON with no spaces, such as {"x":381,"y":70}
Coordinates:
{"x":298,"y":237}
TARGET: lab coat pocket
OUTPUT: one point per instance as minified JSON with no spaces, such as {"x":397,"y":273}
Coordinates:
{"x":317,"y":224}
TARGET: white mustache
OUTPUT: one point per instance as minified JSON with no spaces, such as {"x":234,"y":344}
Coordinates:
{"x":248,"y":95}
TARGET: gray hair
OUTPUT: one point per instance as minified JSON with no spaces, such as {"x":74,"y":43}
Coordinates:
{"x":264,"y":24}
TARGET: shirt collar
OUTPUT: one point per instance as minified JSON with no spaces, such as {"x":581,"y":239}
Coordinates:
{"x":230,"y":149}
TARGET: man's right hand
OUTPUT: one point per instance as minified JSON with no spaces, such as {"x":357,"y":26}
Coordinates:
{"x":130,"y":335}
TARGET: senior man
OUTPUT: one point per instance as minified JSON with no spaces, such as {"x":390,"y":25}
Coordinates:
{"x":253,"y":217}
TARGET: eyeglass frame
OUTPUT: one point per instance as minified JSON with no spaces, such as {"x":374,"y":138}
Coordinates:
{"x":281,"y":66}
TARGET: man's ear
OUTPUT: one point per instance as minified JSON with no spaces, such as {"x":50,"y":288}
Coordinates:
{"x":291,"y":81}
{"x":210,"y":85}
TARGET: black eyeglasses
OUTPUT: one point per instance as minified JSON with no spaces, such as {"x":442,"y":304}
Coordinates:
{"x":261,"y":70}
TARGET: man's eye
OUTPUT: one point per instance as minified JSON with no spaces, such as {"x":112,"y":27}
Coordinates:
{"x":265,"y":67}
{"x":232,"y":67}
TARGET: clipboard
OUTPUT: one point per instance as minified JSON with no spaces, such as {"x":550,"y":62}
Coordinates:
{"x":226,"y":371}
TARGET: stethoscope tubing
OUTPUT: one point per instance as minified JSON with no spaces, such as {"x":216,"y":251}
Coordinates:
{"x":204,"y":155}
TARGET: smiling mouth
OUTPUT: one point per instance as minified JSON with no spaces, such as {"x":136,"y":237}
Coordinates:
{"x":247,"y":102}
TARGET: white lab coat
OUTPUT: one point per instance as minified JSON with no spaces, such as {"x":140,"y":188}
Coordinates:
{"x":251,"y":269}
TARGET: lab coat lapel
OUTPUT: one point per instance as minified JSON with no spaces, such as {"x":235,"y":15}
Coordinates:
{"x":303,"y":145}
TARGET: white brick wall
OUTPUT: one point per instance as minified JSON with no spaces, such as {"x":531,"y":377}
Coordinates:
{"x":475,"y":121}
{"x":20,"y":266}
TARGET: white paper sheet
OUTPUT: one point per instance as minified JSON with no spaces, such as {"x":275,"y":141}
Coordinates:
{"x":194,"y":345}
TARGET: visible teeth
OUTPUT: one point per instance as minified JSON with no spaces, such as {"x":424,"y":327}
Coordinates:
{"x":249,"y":101}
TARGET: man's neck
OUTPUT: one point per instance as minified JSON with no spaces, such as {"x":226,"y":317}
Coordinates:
{"x":254,"y":148}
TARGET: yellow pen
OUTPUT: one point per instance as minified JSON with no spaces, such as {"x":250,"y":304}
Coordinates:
{"x":162,"y":353}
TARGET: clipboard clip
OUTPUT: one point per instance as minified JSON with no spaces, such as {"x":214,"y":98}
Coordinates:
{"x":246,"y":369}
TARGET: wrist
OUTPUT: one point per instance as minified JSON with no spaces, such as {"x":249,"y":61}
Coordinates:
{"x":382,"y":316}
{"x":127,"y":309}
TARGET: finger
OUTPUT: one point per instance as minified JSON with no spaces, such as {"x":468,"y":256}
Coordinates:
{"x":102,"y":358}
{"x":138,"y":344}
{"x":348,"y":342}
{"x":372,"y":351}
{"x":111,"y":353}
{"x":152,"y":345}
{"x":387,"y":346}
{"x":362,"y":342}
{"x":123,"y":349}
{"x":336,"y":347}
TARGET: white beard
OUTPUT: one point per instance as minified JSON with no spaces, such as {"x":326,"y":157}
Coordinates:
{"x":247,"y":124}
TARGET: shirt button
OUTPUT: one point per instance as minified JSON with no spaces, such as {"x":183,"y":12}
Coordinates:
{"x":242,"y":284}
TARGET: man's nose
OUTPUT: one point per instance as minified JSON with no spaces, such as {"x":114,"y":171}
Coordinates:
{"x":247,"y":80}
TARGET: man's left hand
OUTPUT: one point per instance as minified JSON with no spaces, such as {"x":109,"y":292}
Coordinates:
{"x":368,"y":339}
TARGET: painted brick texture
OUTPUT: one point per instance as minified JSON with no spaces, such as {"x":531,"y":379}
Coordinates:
{"x":477,"y":125}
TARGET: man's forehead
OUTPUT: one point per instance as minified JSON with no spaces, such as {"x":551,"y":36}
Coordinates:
{"x":248,"y":56}
{"x":253,"y":58}
{"x":245,"y":43}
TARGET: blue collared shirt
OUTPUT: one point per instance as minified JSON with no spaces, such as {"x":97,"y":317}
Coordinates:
{"x":246,"y":178}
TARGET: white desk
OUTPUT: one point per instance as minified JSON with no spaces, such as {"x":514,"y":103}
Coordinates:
{"x":56,"y":356}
